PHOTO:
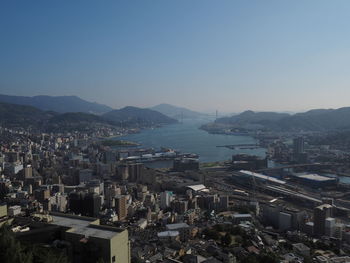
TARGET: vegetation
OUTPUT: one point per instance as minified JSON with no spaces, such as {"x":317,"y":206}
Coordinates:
{"x":133,"y":116}
{"x":13,"y":251}
{"x":58,"y":104}
{"x":313,"y":120}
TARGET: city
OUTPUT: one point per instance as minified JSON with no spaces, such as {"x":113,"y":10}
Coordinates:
{"x":174,"y":131}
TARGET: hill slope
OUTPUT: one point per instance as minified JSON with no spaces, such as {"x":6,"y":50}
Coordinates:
{"x":76,"y":121}
{"x":134,"y":116}
{"x":60,"y":104}
{"x":22,"y":116}
{"x":313,"y":120}
{"x":176,"y":112}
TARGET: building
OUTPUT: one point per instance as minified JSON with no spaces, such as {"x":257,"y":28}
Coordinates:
{"x":85,"y":175}
{"x":298,"y":145}
{"x":14,"y":210}
{"x":91,"y":241}
{"x":320,"y":214}
{"x":165,"y":199}
{"x":87,"y":204}
{"x":182,"y":228}
{"x":120,"y":206}
{"x":299,"y":154}
{"x":186,"y":164}
{"x":315,"y":180}
{"x":248,"y":162}
{"x":284,"y":221}
{"x":239,"y":218}
{"x":135,"y":171}
{"x":330,"y":226}
{"x":301,"y":249}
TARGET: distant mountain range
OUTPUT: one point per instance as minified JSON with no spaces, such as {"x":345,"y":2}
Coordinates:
{"x":177,"y":112}
{"x":59,"y":104}
{"x":138,"y":116}
{"x":313,"y":120}
{"x":29,"y":117}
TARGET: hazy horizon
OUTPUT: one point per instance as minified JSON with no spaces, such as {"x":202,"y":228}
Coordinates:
{"x":229,"y":56}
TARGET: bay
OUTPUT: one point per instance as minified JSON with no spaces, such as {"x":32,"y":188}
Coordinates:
{"x":186,"y":137}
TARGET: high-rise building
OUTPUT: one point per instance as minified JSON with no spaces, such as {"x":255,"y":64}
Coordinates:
{"x":121,"y":207}
{"x":91,"y":205}
{"x":28,"y":172}
{"x":135,"y":171}
{"x":320,"y":214}
{"x":298,"y":145}
{"x":87,"y":204}
{"x":165,"y":199}
{"x":329,"y":226}
{"x":299,"y":154}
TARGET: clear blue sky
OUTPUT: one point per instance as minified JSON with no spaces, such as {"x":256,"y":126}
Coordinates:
{"x":205,"y":55}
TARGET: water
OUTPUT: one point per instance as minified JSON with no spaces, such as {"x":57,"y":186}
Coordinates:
{"x":187,"y":138}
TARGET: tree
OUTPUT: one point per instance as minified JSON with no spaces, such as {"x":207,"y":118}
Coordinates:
{"x":226,"y":239}
{"x":13,"y":251}
{"x":10,"y":249}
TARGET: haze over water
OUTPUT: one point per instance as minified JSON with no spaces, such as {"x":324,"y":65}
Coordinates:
{"x":186,"y":137}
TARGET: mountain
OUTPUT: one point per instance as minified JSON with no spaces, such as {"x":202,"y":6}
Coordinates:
{"x":28,"y":117}
{"x":313,"y":120}
{"x":60,"y":104}
{"x":176,"y":112}
{"x":138,"y":117}
{"x":251,"y":117}
{"x":22,"y":116}
{"x":317,"y":120}
{"x":76,"y":121}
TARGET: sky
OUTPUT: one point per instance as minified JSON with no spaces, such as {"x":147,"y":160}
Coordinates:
{"x":206,"y":55}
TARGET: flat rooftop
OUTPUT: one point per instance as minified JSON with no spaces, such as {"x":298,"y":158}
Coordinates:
{"x":176,"y":226}
{"x":82,"y":226}
{"x":315,"y":177}
{"x":262,"y":176}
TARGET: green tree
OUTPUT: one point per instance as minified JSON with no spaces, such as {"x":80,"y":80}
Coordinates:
{"x":226,"y":239}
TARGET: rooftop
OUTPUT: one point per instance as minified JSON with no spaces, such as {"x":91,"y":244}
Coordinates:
{"x":261,"y":176}
{"x":176,"y":226}
{"x":168,"y":234}
{"x":315,"y":177}
{"x":198,"y":187}
{"x":83,"y":226}
{"x":241,"y":215}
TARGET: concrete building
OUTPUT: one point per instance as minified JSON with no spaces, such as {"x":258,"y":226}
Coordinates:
{"x":301,"y":249}
{"x":120,"y":206}
{"x":239,"y":218}
{"x":284,"y":221}
{"x":85,"y":175}
{"x":329,"y":226}
{"x":320,"y":214}
{"x":3,"y":210}
{"x":91,"y":241}
{"x":182,"y":228}
{"x":165,"y":199}
{"x":14,"y":210}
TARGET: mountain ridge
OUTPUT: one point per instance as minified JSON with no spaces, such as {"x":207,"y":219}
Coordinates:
{"x":176,"y":112}
{"x":138,"y":116}
{"x":312,"y":120}
{"x":61,"y":104}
